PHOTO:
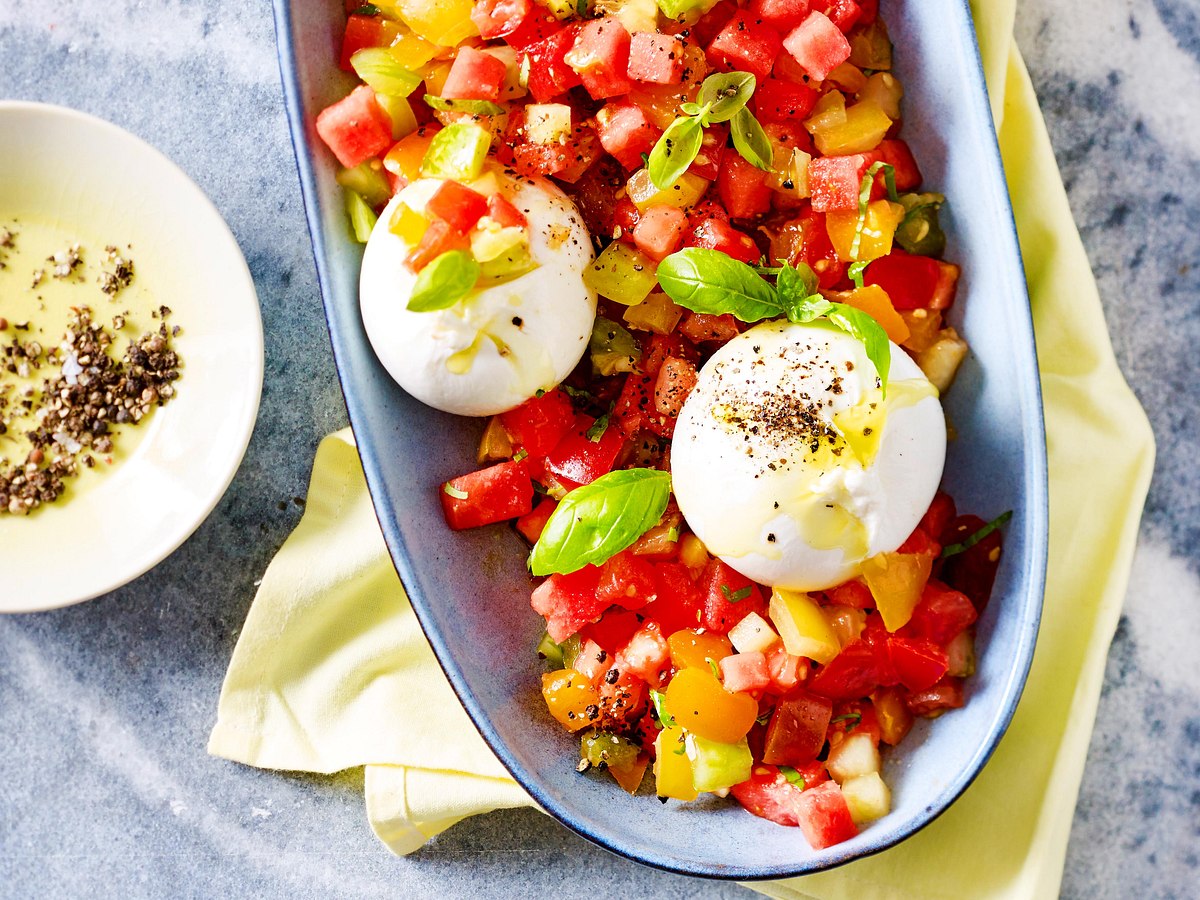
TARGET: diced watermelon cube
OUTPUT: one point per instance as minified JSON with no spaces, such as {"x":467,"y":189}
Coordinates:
{"x":824,"y":817}
{"x":743,"y":188}
{"x":707,"y":163}
{"x":366,"y":31}
{"x":781,"y":14}
{"x":646,"y":654}
{"x":659,"y":231}
{"x":718,"y":234}
{"x":568,"y":602}
{"x":845,"y":14}
{"x":474,"y":76}
{"x":356,"y":127}
{"x":745,"y":45}
{"x":601,"y":57}
{"x":729,"y":597}
{"x":656,"y":58}
{"x":549,"y":74}
{"x":532,"y":523}
{"x":627,"y":580}
{"x":817,"y":45}
{"x":457,"y":205}
{"x":538,"y":424}
{"x":497,"y":18}
{"x":539,"y":25}
{"x":777,"y":100}
{"x":499,"y":492}
{"x":710,"y":24}
{"x":745,"y":672}
{"x":504,"y":214}
{"x":626,"y":132}
{"x":834,"y":181}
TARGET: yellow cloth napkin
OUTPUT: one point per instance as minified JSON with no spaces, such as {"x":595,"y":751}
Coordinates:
{"x":331,"y":670}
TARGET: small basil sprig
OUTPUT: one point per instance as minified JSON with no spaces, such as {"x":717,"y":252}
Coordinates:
{"x":968,"y":543}
{"x":597,"y":521}
{"x":722,"y":98}
{"x":444,"y":281}
{"x":864,"y":199}
{"x":712,"y":282}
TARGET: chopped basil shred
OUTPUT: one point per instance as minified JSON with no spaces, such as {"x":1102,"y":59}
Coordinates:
{"x":451,"y":491}
{"x":792,"y":776}
{"x":673,"y":535}
{"x":736,"y":596}
{"x":856,"y":272}
{"x":659,"y":700}
{"x":864,"y":199}
{"x":968,"y":543}
{"x":852,"y":719}
{"x":712,"y":666}
{"x":598,"y":428}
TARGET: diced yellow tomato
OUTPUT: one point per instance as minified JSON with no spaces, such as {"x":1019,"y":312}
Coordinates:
{"x":568,"y":694}
{"x":672,"y":768}
{"x":923,"y":327}
{"x":693,"y":649}
{"x":698,"y":702}
{"x":895,"y":720}
{"x":828,"y":113}
{"x":803,"y":627}
{"x":495,"y":443}
{"x":885,"y":91}
{"x":412,"y":51}
{"x":656,"y":313}
{"x":407,"y":224}
{"x":848,"y":77}
{"x":692,"y":552}
{"x":405,"y":157}
{"x":685,"y":192}
{"x":446,"y":23}
{"x":630,"y":776}
{"x":435,"y":78}
{"x":846,"y":621}
{"x":874,"y":301}
{"x":896,"y":581}
{"x":879,"y":227}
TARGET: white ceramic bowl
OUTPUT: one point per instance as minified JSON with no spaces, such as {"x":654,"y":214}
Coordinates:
{"x":61,"y":167}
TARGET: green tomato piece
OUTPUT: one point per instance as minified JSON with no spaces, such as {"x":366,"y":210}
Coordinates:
{"x":921,"y":232}
{"x":622,"y":273}
{"x":612,"y":348}
{"x":366,"y":181}
{"x":380,"y":69}
{"x":551,"y":652}
{"x":692,"y":9}
{"x":457,"y":152}
{"x":362,"y":217}
{"x":603,"y":747}
{"x":717,"y":766}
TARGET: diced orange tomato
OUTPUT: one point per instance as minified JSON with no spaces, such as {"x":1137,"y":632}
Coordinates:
{"x":569,"y":696}
{"x":700,"y":704}
{"x":692,"y":648}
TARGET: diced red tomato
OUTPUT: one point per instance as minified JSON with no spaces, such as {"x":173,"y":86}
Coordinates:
{"x":646,"y":654}
{"x":621,"y":701}
{"x":805,"y":239}
{"x":499,"y":492}
{"x":817,"y":45}
{"x":722,"y":584}
{"x":680,"y":604}
{"x":896,"y":154}
{"x":942,"y":614}
{"x":769,"y":795}
{"x":919,"y":662}
{"x":745,"y":44}
{"x":940,"y":513}
{"x":458,"y":206}
{"x":660,"y":346}
{"x":474,"y":76}
{"x":549,"y":74}
{"x":659,"y":230}
{"x":568,"y":602}
{"x":851,"y":593}
{"x":532,"y":523}
{"x":946,"y":694}
{"x":845,"y":14}
{"x":539,"y":25}
{"x":567,"y":160}
{"x":835,"y":181}
{"x":538,"y":424}
{"x":777,"y":100}
{"x":707,"y":163}
{"x":366,"y":31}
{"x":626,"y":132}
{"x":920,"y":543}
{"x":878,"y":639}
{"x":849,"y":675}
{"x":974,"y":570}
{"x":824,"y":817}
{"x":627,"y":580}
{"x":717,"y":234}
{"x":909,"y":280}
{"x":743,"y":188}
{"x":947,"y":286}
{"x":635,"y":403}
{"x":745,"y":672}
{"x":655,"y":58}
{"x":504,"y":214}
{"x":869,"y":11}
{"x":676,"y":378}
{"x":356,"y":127}
{"x":497,"y":18}
{"x":712,"y":22}
{"x":580,"y":459}
{"x":440,"y":237}
{"x":783,"y":15}
{"x":701,"y":328}
{"x":601,"y":57}
{"x":853,"y":717}
{"x":797,"y":729}
{"x":786,"y":670}
{"x":614,"y":630}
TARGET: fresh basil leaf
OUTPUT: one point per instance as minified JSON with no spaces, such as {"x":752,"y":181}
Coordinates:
{"x":598,"y":520}
{"x":690,"y":109}
{"x":797,"y":290}
{"x":736,"y":596}
{"x":444,"y":281}
{"x":968,"y":543}
{"x":367,"y":9}
{"x":863,"y":326}
{"x":864,"y":199}
{"x":856,"y":271}
{"x":674,"y":152}
{"x":725,"y":94}
{"x":792,"y":776}
{"x":709,"y":281}
{"x":659,"y":700}
{"x":750,"y":141}
{"x":471,"y":107}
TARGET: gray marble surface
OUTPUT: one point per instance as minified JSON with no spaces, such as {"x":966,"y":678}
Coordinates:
{"x":105,"y":708}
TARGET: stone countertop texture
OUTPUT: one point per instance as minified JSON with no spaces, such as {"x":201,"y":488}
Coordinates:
{"x":105,"y":708}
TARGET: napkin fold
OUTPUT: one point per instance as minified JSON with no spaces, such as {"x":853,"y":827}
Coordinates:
{"x":331,"y":670}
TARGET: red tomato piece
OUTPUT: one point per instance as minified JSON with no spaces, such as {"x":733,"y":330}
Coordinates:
{"x":568,"y":602}
{"x":661,"y":346}
{"x":849,"y":675}
{"x":634,"y":405}
{"x":869,"y":11}
{"x":655,"y":58}
{"x":974,"y":570}
{"x":878,"y":639}
{"x":356,"y":127}
{"x":919,"y":662}
{"x":457,"y":205}
{"x":627,"y":580}
{"x":835,"y":181}
{"x":532,"y":523}
{"x":701,"y":328}
{"x":499,"y":492}
{"x":920,"y":543}
{"x":497,"y":18}
{"x":851,"y":593}
{"x":707,"y":163}
{"x":895,"y":153}
{"x":539,"y":25}
{"x":715,"y":234}
{"x":743,"y":188}
{"x":679,"y":604}
{"x":842,"y":13}
{"x":854,"y":717}
{"x":440,"y":237}
{"x":947,"y":286}
{"x":580,"y":459}
{"x":601,"y":57}
{"x":676,"y":378}
{"x":614,"y":630}
{"x":504,"y":213}
{"x":549,"y":74}
{"x":940,"y":513}
{"x":777,"y":100}
{"x":474,"y":76}
{"x":539,"y":423}
{"x":709,"y":25}
{"x":625,"y":132}
{"x":783,"y":15}
{"x":786,"y":670}
{"x":941,"y":615}
{"x":818,"y":45}
{"x":722,"y":584}
{"x":909,"y":280}
{"x":768,"y":795}
{"x":659,"y":231}
{"x":946,"y":694}
{"x":824,"y":817}
{"x":797,"y":729}
{"x":366,"y":31}
{"x":745,"y":44}
{"x":745,"y":672}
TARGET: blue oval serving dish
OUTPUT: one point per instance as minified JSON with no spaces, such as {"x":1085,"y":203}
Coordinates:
{"x":470,"y":590}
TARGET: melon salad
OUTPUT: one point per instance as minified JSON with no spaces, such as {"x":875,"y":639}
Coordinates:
{"x":679,"y":259}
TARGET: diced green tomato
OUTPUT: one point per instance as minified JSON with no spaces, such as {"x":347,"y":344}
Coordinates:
{"x":603,"y":747}
{"x":752,"y":634}
{"x":458,"y":152}
{"x":366,"y":180}
{"x":673,"y":9}
{"x":562,"y":9}
{"x":362,"y":217}
{"x":547,"y":123}
{"x":511,"y":263}
{"x":400,"y":111}
{"x":656,"y":313}
{"x":803,"y":627}
{"x":920,"y":232}
{"x":684,"y":193}
{"x":672,"y":767}
{"x":960,"y":653}
{"x":867,"y":797}
{"x":635,"y":15}
{"x":379,"y":68}
{"x":718,"y":766}
{"x":570,"y":650}
{"x":491,"y":242}
{"x":550,"y":652}
{"x":612,"y":348}
{"x":870,"y":47}
{"x":622,"y":274}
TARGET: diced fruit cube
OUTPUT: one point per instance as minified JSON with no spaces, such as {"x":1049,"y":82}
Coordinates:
{"x":600,"y":55}
{"x":718,"y":765}
{"x":579,"y":458}
{"x":622,"y":274}
{"x":499,"y":492}
{"x":752,"y":634}
{"x":646,"y":654}
{"x":356,"y":127}
{"x":856,"y":755}
{"x":656,"y":58}
{"x":549,"y":74}
{"x":497,"y":18}
{"x":659,"y":231}
{"x":845,"y":14}
{"x":504,"y":213}
{"x":625,"y":132}
{"x":729,"y":595}
{"x":658,"y":314}
{"x":823,"y":816}
{"x":746,"y":45}
{"x":796,"y":732}
{"x":867,"y":797}
{"x":568,"y":602}
{"x":743,"y":188}
{"x":696,"y":698}
{"x":569,"y":695}
{"x":702,"y":327}
{"x":802,"y":626}
{"x":474,"y":76}
{"x":817,"y":45}
{"x":456,"y":205}
{"x":532,"y":523}
{"x":896,"y":153}
{"x":672,"y":769}
{"x":717,"y":234}
{"x":538,"y":424}
{"x":440,"y":237}
{"x":777,"y":100}
{"x":539,"y":25}
{"x":834,"y":182}
{"x":783,"y":15}
{"x":745,"y":672}
{"x":786,"y":670}
{"x":676,"y":379}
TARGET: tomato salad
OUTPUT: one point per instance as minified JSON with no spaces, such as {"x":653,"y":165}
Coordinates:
{"x":734,"y":163}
